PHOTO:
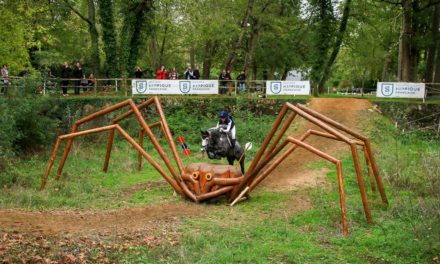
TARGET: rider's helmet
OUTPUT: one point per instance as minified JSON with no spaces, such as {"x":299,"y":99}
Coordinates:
{"x":223,"y":114}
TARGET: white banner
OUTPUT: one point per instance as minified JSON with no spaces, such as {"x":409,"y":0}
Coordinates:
{"x":400,"y":89}
{"x":288,"y":87}
{"x":141,"y":86}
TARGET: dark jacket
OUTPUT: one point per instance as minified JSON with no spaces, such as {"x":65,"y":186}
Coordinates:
{"x":139,"y":74}
{"x":78,"y":73}
{"x":196,"y":74}
{"x":65,"y":72}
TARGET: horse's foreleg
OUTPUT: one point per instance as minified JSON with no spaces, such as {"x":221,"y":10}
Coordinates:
{"x":230,"y":160}
{"x":242,"y":165}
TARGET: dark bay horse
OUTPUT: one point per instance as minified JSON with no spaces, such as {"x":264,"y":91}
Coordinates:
{"x":217,"y":146}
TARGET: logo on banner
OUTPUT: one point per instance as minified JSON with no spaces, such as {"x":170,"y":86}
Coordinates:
{"x":275,"y":87}
{"x":184,"y":86}
{"x":387,"y":89}
{"x":141,"y":86}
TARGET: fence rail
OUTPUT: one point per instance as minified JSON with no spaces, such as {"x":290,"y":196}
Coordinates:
{"x":122,"y":86}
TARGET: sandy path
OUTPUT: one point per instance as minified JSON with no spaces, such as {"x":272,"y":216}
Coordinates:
{"x":293,"y":172}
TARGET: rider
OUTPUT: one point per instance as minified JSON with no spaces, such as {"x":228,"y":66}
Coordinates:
{"x":226,"y":125}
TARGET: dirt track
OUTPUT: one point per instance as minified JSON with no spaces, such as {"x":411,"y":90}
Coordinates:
{"x":290,"y":174}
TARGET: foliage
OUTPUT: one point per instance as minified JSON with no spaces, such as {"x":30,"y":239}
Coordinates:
{"x":26,"y":125}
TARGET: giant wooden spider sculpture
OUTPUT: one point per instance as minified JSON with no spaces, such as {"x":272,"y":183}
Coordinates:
{"x":202,"y":181}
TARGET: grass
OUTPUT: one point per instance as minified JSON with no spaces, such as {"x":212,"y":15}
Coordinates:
{"x":264,"y":229}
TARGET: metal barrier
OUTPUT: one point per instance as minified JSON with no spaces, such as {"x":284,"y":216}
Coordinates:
{"x":95,"y":86}
{"x":122,"y":86}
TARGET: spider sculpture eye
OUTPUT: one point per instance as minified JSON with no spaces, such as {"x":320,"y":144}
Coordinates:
{"x":208,"y":176}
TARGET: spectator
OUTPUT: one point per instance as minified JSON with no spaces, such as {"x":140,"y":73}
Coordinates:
{"x":223,"y":81}
{"x":174,"y":75}
{"x":92,"y":80}
{"x":5,"y":77}
{"x":189,"y":73}
{"x":138,"y":73}
{"x":65,"y":75}
{"x":161,"y":74}
{"x":23,"y":73}
{"x":196,"y":72}
{"x":78,"y":74}
{"x":241,"y":81}
{"x":84,"y":83}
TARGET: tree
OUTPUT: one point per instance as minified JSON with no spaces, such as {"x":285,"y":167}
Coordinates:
{"x":237,"y":42}
{"x":137,"y":17}
{"x":336,"y":45}
{"x":13,"y":48}
{"x":409,"y":51}
{"x":433,"y":45}
{"x":91,"y":22}
{"x":323,"y":38}
{"x":109,"y":37}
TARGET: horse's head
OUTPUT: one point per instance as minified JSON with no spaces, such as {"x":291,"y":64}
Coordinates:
{"x":205,"y":139}
{"x":213,"y":143}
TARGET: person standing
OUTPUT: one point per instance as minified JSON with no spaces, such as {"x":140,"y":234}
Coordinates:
{"x":84,"y":83}
{"x":78,"y":74}
{"x":138,"y":73}
{"x":196,"y":72}
{"x":161,"y":74}
{"x":5,"y":77}
{"x":241,"y":78}
{"x":65,"y":75}
{"x":189,"y":73}
{"x":92,"y":80}
{"x":223,"y":81}
{"x":174,"y":75}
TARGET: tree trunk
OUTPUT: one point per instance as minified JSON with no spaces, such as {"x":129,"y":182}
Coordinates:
{"x":254,"y":70}
{"x":207,"y":60}
{"x":154,"y":54}
{"x":252,"y":43}
{"x":432,"y":49}
{"x":162,"y":46}
{"x":108,"y":37}
{"x":437,"y":66}
{"x":336,"y":47}
{"x":93,"y":36}
{"x":237,"y":43}
{"x":210,"y":49}
{"x":192,"y":57}
{"x":322,"y":41}
{"x":406,"y":70}
{"x":138,"y":16}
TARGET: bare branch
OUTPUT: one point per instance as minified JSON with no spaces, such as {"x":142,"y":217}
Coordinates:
{"x":77,"y":12}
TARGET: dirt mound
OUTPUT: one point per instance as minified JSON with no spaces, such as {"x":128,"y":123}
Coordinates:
{"x":293,"y":172}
